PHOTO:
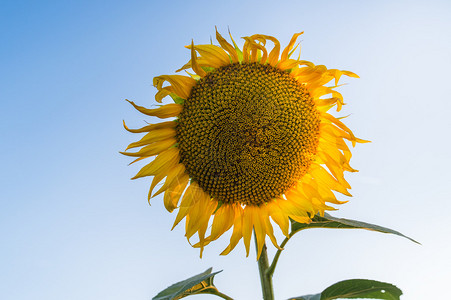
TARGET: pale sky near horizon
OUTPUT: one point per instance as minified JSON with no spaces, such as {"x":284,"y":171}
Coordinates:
{"x":74,"y":226}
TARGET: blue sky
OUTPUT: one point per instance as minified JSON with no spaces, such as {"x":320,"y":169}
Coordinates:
{"x":72,"y":224}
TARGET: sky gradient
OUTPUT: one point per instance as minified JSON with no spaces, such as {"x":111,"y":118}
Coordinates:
{"x":72,"y":224}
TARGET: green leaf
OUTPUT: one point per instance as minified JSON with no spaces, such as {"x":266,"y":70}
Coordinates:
{"x":357,"y":288}
{"x":201,"y":283}
{"x":308,"y":297}
{"x":331,"y":222}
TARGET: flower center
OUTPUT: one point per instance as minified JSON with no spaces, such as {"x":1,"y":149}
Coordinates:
{"x":247,"y":133}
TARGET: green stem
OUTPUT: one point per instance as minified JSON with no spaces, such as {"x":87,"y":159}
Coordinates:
{"x":270,"y":270}
{"x":214,"y":291}
{"x":265,"y":277}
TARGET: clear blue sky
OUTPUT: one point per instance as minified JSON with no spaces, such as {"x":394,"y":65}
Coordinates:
{"x":72,"y":224}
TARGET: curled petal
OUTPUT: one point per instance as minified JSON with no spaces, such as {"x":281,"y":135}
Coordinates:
{"x":289,"y":46}
{"x":180,"y":85}
{"x":273,"y":57}
{"x":226,"y":46}
{"x":148,"y":128}
{"x":165,"y":111}
{"x":212,"y":53}
{"x":196,"y":68}
{"x":154,"y":136}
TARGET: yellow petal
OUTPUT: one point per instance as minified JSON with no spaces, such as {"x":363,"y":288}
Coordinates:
{"x":333,"y":130}
{"x":335,"y":168}
{"x":165,"y":159}
{"x":163,"y":92}
{"x":208,"y":210}
{"x":273,"y":57}
{"x":294,"y":49}
{"x":213,"y":54}
{"x":258,"y":216}
{"x":333,"y":152}
{"x":223,"y":220}
{"x":237,"y":233}
{"x":327,"y":136}
{"x":339,"y":124}
{"x":190,"y":196}
{"x":153,"y":136}
{"x":157,"y":178}
{"x":196,"y":68}
{"x":246,"y":52}
{"x":253,"y":49}
{"x":325,"y":193}
{"x":269,"y":231}
{"x":350,"y":74}
{"x":225,"y":45}
{"x":202,"y":62}
{"x":289,"y":46}
{"x":165,"y":111}
{"x":167,"y":124}
{"x":172,"y":195}
{"x":199,"y":214}
{"x":138,"y":159}
{"x":300,"y":219}
{"x":172,"y":178}
{"x":320,"y":174}
{"x":288,"y":64}
{"x":248,"y":223}
{"x":279,"y":216}
{"x":237,"y":49}
{"x":181,"y":85}
{"x":326,"y":101}
{"x":319,"y":91}
{"x":296,"y":207}
{"x":345,"y":131}
{"x":153,"y":149}
{"x":336,"y":74}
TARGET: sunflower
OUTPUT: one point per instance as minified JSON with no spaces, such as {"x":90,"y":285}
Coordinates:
{"x":251,"y":144}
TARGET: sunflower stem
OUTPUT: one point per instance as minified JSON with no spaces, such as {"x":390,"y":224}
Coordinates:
{"x":272,"y":267}
{"x":223,"y":296}
{"x":214,"y":291}
{"x":265,"y":277}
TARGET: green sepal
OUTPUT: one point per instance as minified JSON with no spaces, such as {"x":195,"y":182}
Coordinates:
{"x":220,"y":203}
{"x":208,"y":69}
{"x":237,"y":49}
{"x":177,"y":99}
{"x":356,"y":288}
{"x":199,"y":284}
{"x":294,"y":49}
{"x":327,"y":221}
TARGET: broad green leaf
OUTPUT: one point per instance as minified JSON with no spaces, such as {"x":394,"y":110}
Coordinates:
{"x":200,"y":283}
{"x":356,"y":288}
{"x":331,"y":222}
{"x":308,"y":297}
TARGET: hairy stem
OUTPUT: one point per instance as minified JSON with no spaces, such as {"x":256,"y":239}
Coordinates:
{"x":270,"y":269}
{"x":265,"y":277}
{"x":218,"y":293}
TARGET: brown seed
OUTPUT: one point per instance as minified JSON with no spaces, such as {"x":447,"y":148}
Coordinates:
{"x":247,"y":133}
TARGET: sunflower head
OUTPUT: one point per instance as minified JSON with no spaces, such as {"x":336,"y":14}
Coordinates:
{"x":250,"y":142}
